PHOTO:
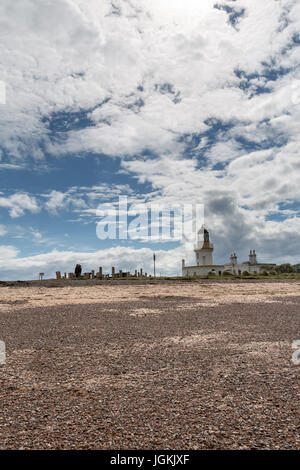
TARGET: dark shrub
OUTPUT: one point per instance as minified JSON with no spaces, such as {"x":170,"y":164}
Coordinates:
{"x":285,"y":268}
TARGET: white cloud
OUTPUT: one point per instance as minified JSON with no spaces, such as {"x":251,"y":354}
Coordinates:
{"x":3,"y":230}
{"x":8,"y":166}
{"x":84,"y":54}
{"x":18,"y":203}
{"x":57,"y":200}
{"x":84,"y":199}
{"x":7,"y":254}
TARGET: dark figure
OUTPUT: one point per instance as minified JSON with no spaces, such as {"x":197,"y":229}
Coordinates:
{"x":206,"y":235}
{"x":78,"y":270}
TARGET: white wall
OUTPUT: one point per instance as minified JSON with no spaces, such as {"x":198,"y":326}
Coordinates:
{"x":201,"y":270}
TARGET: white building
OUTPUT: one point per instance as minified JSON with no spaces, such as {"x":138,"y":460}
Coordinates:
{"x":204,"y":260}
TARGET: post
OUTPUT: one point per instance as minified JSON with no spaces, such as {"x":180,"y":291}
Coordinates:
{"x":154,"y":258}
{"x":112,"y":272}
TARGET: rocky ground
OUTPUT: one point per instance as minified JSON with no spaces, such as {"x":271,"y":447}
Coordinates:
{"x":195,"y":365}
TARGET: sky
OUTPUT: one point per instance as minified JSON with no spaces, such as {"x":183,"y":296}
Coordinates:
{"x":164,"y":102}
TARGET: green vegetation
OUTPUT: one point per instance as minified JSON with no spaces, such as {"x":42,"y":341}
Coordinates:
{"x":264,"y":275}
{"x":285,"y":268}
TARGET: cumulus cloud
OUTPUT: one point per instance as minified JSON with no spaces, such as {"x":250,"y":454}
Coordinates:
{"x":7,"y":254}
{"x":144,"y":72}
{"x":18,"y":203}
{"x":57,"y":200}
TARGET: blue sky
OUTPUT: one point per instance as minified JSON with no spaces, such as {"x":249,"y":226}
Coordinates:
{"x":163,"y":102}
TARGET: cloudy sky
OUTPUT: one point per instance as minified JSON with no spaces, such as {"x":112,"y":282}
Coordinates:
{"x":162,"y":101}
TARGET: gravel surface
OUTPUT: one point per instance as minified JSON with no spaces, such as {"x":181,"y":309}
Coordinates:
{"x":158,"y":371}
{"x":50,"y":293}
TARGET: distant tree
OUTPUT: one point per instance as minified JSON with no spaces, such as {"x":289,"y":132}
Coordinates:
{"x":285,"y":268}
{"x":78,"y":270}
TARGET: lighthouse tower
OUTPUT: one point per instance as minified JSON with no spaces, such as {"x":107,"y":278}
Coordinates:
{"x":203,"y":248}
{"x":252,"y":258}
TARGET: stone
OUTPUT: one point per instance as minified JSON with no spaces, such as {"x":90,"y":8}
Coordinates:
{"x":78,"y":270}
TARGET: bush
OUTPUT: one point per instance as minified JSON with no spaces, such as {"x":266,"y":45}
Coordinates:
{"x":285,"y":268}
{"x":245,"y":273}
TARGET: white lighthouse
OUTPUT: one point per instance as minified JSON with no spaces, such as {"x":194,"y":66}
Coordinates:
{"x":204,"y":261}
{"x":203,"y":248}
